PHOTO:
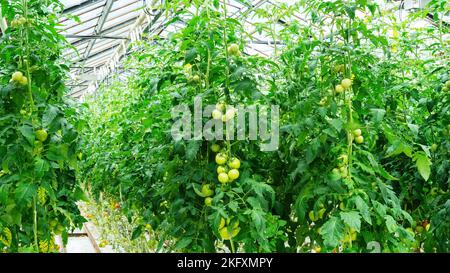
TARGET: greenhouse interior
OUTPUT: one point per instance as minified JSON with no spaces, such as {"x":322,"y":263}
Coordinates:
{"x":224,"y":126}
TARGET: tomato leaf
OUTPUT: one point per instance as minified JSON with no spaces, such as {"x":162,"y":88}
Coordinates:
{"x":391,"y":224}
{"x":423,"y":164}
{"x":332,"y":231}
{"x":363,"y":208}
{"x":352,"y":219}
{"x":24,"y":193}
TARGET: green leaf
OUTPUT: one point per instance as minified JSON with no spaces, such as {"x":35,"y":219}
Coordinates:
{"x":24,"y":193}
{"x":380,"y":209}
{"x":363,"y":208}
{"x":79,"y":194}
{"x":414,"y":129}
{"x":4,"y":192}
{"x":377,"y":114}
{"x":332,"y":231}
{"x":28,"y":132}
{"x":192,"y":149}
{"x":337,"y":124}
{"x":391,"y":224}
{"x":352,"y":219}
{"x":183,"y":243}
{"x":41,"y":166}
{"x":136,"y":233}
{"x":233,"y":205}
{"x":49,"y":115}
{"x":258,"y":220}
{"x":423,"y":164}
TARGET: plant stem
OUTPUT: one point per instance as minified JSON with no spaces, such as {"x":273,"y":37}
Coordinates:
{"x":233,"y":250}
{"x":225,"y":41}
{"x":35,"y":224}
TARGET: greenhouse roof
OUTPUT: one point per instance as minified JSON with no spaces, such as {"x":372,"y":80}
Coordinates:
{"x":106,"y":27}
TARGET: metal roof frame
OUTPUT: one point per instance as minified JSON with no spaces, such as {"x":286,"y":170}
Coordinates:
{"x":108,"y":27}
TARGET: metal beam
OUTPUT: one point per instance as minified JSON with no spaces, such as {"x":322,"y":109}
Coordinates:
{"x":109,"y":30}
{"x":81,"y":5}
{"x":99,"y":27}
{"x":89,"y":37}
{"x":84,"y":60}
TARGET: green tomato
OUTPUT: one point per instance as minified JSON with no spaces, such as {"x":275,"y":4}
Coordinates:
{"x":17,"y":76}
{"x":346,"y":83}
{"x":434,"y":147}
{"x":339,"y":89}
{"x":359,"y":139}
{"x":215,"y":148}
{"x":41,"y":135}
{"x":196,"y":78}
{"x":233,"y":50}
{"x":208,"y":201}
{"x":221,"y":106}
{"x":207,"y":191}
{"x":357,"y":132}
{"x":223,"y":178}
{"x":216,"y":114}
{"x":222,"y":169}
{"x":233,"y":174}
{"x":234,"y":163}
{"x":24,"y":81}
{"x":221,"y":159}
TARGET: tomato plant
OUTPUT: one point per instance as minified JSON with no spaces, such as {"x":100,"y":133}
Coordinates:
{"x":364,"y":129}
{"x":38,"y":132}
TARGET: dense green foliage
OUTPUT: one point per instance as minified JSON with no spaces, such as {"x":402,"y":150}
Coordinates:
{"x":38,"y":140}
{"x":326,"y":188}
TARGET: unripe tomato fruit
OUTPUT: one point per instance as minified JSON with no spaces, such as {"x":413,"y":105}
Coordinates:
{"x":216,"y":114}
{"x":339,"y":89}
{"x":234,"y":163}
{"x":233,"y":174}
{"x":223,"y":178}
{"x":220,"y":106}
{"x":17,"y":76}
{"x":22,"y":21}
{"x":344,"y":158}
{"x":357,"y":132}
{"x":196,"y":78}
{"x":23,"y":81}
{"x":208,"y":201}
{"x":346,"y":83}
{"x":207,"y":191}
{"x":215,"y":148}
{"x":229,"y":115}
{"x":359,"y":139}
{"x":233,"y":50}
{"x":221,"y":159}
{"x":434,"y":147}
{"x":41,"y":135}
{"x":221,"y":169}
